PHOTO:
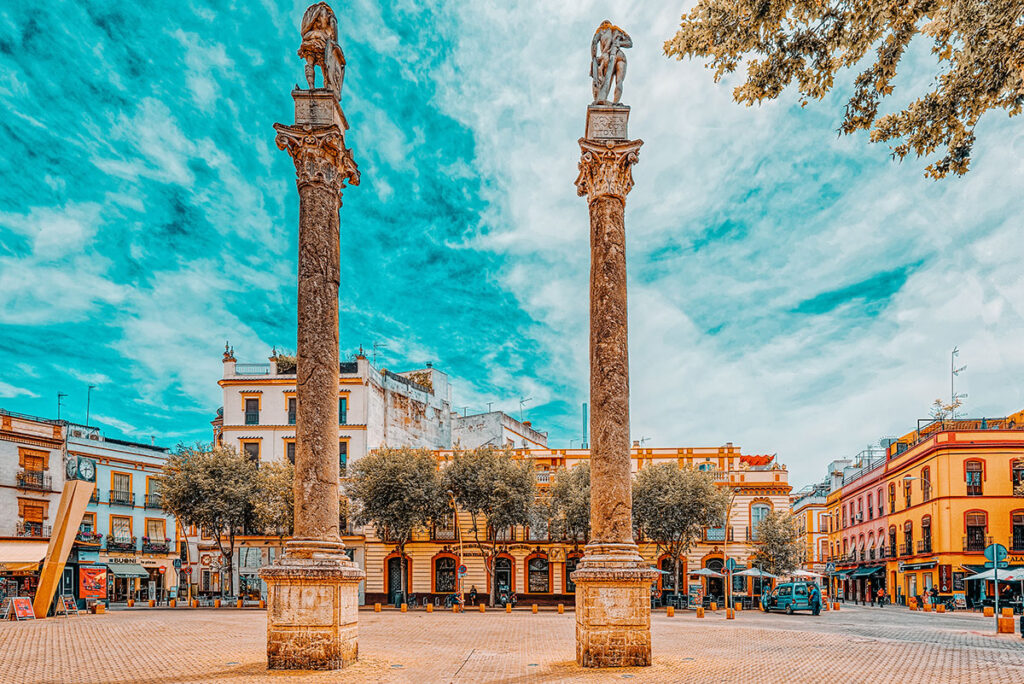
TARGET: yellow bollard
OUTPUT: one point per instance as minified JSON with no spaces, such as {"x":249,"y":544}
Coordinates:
{"x":700,"y":611}
{"x":376,"y":607}
{"x":714,"y":606}
{"x":483,"y":607}
{"x":730,"y":613}
{"x":670,"y":611}
{"x":172,"y":603}
{"x":737,"y":607}
{"x":1007,"y":612}
{"x":216,"y":603}
{"x":455,"y":607}
{"x":1004,"y":625}
{"x":508,"y":607}
{"x":430,"y":607}
{"x":835,"y":605}
{"x":263,"y":604}
{"x":404,"y":608}
{"x":131,"y":603}
{"x":989,"y":611}
{"x":195,"y":603}
{"x":927,"y":607}
{"x":561,"y":608}
{"x":941,"y":608}
{"x":239,"y":604}
{"x":534,"y":608}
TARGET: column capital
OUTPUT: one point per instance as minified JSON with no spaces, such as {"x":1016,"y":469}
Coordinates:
{"x":320,"y":156}
{"x":606,"y":168}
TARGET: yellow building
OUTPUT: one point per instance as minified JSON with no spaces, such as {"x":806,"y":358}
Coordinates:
{"x":810,"y":508}
{"x":950,"y":493}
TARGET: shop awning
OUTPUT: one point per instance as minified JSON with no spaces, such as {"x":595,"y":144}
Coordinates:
{"x":127,"y":570}
{"x":867,"y":572}
{"x":21,"y":556}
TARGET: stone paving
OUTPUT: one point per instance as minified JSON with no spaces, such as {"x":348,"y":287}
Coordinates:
{"x":227,"y":645}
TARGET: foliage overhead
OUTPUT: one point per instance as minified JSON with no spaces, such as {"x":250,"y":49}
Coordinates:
{"x":570,"y":503}
{"x":779,"y":546}
{"x":978,"y":46}
{"x":493,"y":485}
{"x":274,"y":508}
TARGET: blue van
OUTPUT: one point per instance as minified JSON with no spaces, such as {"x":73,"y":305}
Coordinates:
{"x":792,"y":596}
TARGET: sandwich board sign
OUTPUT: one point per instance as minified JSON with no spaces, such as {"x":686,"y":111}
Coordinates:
{"x":67,"y":606}
{"x":17,"y":608}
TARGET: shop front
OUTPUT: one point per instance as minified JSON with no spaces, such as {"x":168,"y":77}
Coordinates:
{"x":19,"y":566}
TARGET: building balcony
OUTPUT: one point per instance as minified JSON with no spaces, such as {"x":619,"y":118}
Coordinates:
{"x":119,"y":498}
{"x":444,"y":533}
{"x":924,"y":546}
{"x":1017,"y":542}
{"x":125,"y":544}
{"x":976,"y":544}
{"x":156,"y":545}
{"x":34,"y":479}
{"x":252,"y":418}
{"x":30,"y":529}
{"x":907,"y":549}
{"x":95,"y":498}
{"x":153,"y":501}
{"x":718,"y":534}
{"x":92,"y":538}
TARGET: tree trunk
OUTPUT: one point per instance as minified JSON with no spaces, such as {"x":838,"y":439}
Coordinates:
{"x":676,"y":571}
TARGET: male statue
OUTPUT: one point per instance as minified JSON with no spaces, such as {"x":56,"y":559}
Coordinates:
{"x":608,"y":61}
{"x":319,"y":30}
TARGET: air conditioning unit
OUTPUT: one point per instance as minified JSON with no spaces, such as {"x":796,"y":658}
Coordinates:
{"x":858,"y":517}
{"x":77,"y":433}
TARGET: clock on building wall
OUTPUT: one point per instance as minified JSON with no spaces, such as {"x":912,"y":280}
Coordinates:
{"x":80,"y":468}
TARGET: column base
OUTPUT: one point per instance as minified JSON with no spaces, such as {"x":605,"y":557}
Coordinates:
{"x":613,"y":607}
{"x":312,"y":609}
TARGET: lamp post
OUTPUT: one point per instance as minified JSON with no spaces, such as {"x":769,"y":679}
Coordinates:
{"x":458,"y":533}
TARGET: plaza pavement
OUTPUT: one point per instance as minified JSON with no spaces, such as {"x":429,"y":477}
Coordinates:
{"x":227,"y":645}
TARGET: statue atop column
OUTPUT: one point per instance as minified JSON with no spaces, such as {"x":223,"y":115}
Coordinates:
{"x":320,"y":47}
{"x":608,"y":61}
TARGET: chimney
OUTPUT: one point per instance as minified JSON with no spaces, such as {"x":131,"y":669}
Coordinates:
{"x":527,"y":423}
{"x":636,"y":443}
{"x":229,"y":360}
{"x":430,"y":364}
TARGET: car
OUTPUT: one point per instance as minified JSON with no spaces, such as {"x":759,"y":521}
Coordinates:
{"x":793,"y":596}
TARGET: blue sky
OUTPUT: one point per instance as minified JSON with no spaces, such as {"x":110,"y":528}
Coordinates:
{"x":790,"y":291}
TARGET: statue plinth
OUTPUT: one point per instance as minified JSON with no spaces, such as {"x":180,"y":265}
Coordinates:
{"x":607,"y":122}
{"x":312,"y":607}
{"x":318,"y":107}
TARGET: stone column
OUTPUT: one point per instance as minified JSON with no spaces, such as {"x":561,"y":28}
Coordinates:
{"x":613,"y":600}
{"x":313,"y":589}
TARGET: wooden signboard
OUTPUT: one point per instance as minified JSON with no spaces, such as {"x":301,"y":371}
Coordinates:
{"x":17,"y":608}
{"x":67,"y":606}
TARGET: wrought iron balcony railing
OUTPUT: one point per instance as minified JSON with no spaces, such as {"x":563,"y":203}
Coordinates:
{"x":121,"y":544}
{"x":154,"y":501}
{"x":34,"y":479}
{"x":121,"y":498}
{"x":31,"y":529}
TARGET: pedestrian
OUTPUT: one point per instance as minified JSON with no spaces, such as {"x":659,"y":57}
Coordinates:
{"x":881,"y":597}
{"x":935,"y":595}
{"x":815,"y":599}
{"x":472,"y":595}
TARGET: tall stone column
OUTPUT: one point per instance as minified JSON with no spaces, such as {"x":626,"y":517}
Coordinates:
{"x":613,"y":606}
{"x":313,"y":590}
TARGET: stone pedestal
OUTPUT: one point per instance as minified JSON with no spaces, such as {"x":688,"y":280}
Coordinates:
{"x":312,"y":608}
{"x":613,"y":584}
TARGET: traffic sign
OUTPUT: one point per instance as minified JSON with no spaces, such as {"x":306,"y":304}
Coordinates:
{"x":177,"y":564}
{"x":730,"y":564}
{"x":830,"y":568}
{"x":463,"y":570}
{"x":1002,"y":564}
{"x":162,"y":569}
{"x":996,"y":552}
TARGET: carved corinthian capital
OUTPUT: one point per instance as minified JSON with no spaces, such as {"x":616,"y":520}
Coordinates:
{"x":320,"y":156}
{"x":606,"y":168}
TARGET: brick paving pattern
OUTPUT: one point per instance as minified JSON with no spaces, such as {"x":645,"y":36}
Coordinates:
{"x":227,"y":645}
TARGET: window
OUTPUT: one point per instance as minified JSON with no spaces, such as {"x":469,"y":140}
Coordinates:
{"x":155,"y":529}
{"x":892,"y":542}
{"x":908,"y":538}
{"x":1017,"y":539}
{"x":444,"y":575}
{"x":538,"y":579}
{"x":252,"y":411}
{"x":906,"y":489}
{"x":976,"y":522}
{"x":505,"y":534}
{"x":343,"y":410}
{"x":844,"y":516}
{"x":739,"y":584}
{"x":881,"y":510}
{"x":757,"y":514}
{"x":32,"y":515}
{"x":926,"y":534}
{"x":342,"y":458}
{"x":121,"y":489}
{"x":926,"y":484}
{"x":972,"y":475}
{"x":570,"y":567}
{"x":871,"y":510}
{"x":88,"y":523}
{"x":892,"y":497}
{"x":289,"y":450}
{"x":121,"y":529}
{"x":252,"y":450}
{"x":1018,"y":477}
{"x":444,"y":529}
{"x":291,"y":410}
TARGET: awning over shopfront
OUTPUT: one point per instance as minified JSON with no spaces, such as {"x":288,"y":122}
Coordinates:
{"x":841,"y":574}
{"x":21,"y":556}
{"x":127,"y":570}
{"x":867,"y":572}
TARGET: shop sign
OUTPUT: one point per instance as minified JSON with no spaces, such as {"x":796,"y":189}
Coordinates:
{"x":945,"y":578}
{"x":958,"y":581}
{"x":92,"y":583}
{"x":121,"y":559}
{"x":18,"y":607}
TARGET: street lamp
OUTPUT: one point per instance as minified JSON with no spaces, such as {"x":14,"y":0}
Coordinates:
{"x":458,"y":532}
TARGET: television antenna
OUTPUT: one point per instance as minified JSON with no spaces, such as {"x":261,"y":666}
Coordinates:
{"x":522,"y":402}
{"x":954,"y":372}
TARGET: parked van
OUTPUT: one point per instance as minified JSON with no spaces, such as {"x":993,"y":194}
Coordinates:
{"x":791,"y":596}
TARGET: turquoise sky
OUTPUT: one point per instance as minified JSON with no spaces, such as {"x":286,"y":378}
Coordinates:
{"x":790,"y":291}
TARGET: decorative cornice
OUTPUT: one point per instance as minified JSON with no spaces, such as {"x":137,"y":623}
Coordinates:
{"x":320,"y":156}
{"x":606,"y":168}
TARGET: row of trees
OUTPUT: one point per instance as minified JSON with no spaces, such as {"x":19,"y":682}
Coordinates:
{"x":399,"y":491}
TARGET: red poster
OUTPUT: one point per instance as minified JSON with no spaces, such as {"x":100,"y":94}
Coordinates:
{"x":92,"y":583}
{"x":23,"y":608}
{"x":945,"y":578}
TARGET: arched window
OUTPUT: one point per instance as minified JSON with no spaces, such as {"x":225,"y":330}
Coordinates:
{"x":925,"y":546}
{"x":539,"y":580}
{"x":1017,"y":538}
{"x":926,"y":484}
{"x":892,"y":541}
{"x":570,"y":567}
{"x":907,"y":489}
{"x":908,"y":539}
{"x":444,"y":575}
{"x":871,"y":509}
{"x":892,"y":497}
{"x":975,"y":523}
{"x":871,"y":546}
{"x":1017,"y":473}
{"x":668,"y":582}
{"x":878,"y":498}
{"x":973,"y":472}
{"x":757,"y":514}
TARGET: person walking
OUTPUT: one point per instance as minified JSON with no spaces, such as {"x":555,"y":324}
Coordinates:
{"x":881,"y":597}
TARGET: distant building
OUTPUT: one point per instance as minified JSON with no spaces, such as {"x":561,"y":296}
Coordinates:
{"x":496,"y":429}
{"x":809,"y":507}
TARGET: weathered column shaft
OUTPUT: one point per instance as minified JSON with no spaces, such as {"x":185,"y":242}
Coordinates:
{"x":316,"y":386}
{"x":610,"y":483}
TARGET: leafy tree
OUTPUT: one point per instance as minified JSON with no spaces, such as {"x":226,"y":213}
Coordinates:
{"x":778,"y":543}
{"x":570,"y":503}
{"x":976,"y":44}
{"x":215,"y":489}
{"x":495,"y":489}
{"x":274,"y":508}
{"x":673,"y":505}
{"x":396,"y":491}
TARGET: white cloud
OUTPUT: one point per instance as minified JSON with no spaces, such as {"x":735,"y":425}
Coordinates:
{"x":8,"y":391}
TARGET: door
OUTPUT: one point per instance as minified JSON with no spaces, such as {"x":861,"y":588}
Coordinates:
{"x":801,"y":598}
{"x":503,"y":574}
{"x":784,"y":597}
{"x":395,"y":580}
{"x":716,"y":586}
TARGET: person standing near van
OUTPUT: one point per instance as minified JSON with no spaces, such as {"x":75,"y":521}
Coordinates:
{"x":815,"y":600}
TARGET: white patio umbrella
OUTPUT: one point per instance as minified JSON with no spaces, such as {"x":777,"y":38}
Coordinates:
{"x":705,"y":572}
{"x":755,"y":572}
{"x":989,"y":575}
{"x":806,"y":573}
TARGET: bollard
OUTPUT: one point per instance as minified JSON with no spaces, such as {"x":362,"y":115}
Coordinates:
{"x":989,"y":611}
{"x":239,"y":604}
{"x":737,"y":607}
{"x":1004,"y":625}
{"x":172,"y":603}
{"x":1007,"y":612}
{"x":195,"y":603}
{"x":98,"y":609}
{"x":152,"y":603}
{"x":714,"y":606}
{"x":131,"y":603}
{"x":216,"y":603}
{"x":404,"y":608}
{"x":700,"y":611}
{"x":508,"y":607}
{"x":376,"y":607}
{"x":534,"y":608}
{"x":483,"y":608}
{"x":835,"y":605}
{"x":927,"y":607}
{"x":730,"y":613}
{"x":430,"y":607}
{"x":455,"y":607}
{"x":941,"y":608}
{"x":671,"y":611}
{"x":561,"y":608}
